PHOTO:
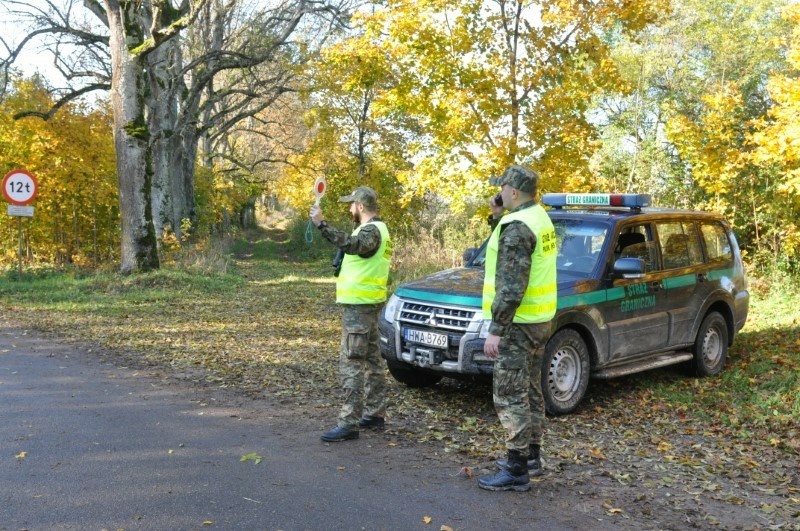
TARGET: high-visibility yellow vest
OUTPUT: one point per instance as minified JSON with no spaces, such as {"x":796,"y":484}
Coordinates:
{"x":539,"y":302}
{"x":363,"y":280}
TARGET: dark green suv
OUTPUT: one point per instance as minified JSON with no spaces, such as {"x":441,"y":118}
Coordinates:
{"x":638,"y":288}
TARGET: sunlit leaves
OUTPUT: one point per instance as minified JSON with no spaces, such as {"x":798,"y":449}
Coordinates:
{"x":777,"y":138}
{"x":712,"y":144}
{"x":480,"y":87}
{"x":685,"y":124}
{"x":76,"y":216}
{"x":354,"y":140}
{"x":714,"y":103}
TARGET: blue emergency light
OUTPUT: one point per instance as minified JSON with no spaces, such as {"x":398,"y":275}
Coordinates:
{"x":634,"y":201}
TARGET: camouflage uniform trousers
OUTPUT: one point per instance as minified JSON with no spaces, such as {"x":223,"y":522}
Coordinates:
{"x":517,"y":384}
{"x":361,"y":369}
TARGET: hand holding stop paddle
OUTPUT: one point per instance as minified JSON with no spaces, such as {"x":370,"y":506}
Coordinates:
{"x":320,"y":186}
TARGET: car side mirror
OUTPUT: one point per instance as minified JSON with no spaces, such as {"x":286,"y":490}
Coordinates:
{"x":629,"y":268}
{"x":469,"y":254}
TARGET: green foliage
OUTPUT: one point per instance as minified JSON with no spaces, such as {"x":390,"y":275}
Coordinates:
{"x":694,"y":102}
{"x":137,"y":128}
{"x":412,"y":106}
{"x":776,"y":153}
{"x":305,"y":242}
{"x":354,"y":141}
{"x":683,"y":129}
{"x":221,"y":199}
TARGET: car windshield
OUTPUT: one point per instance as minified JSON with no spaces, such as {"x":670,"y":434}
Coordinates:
{"x":579,"y":246}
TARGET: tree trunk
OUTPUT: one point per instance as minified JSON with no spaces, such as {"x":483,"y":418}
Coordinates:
{"x":174,"y":141}
{"x":183,"y":206}
{"x":131,"y":139}
{"x":161,"y":117}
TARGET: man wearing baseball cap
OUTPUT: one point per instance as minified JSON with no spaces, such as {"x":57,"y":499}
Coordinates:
{"x":519,"y":296}
{"x":361,"y":291}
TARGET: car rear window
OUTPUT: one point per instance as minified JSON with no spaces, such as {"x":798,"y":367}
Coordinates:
{"x":715,"y":238}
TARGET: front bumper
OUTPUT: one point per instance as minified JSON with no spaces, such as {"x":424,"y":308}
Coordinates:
{"x":463,"y":356}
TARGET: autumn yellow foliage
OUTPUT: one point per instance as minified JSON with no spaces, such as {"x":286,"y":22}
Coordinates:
{"x":776,"y":140}
{"x":76,"y":213}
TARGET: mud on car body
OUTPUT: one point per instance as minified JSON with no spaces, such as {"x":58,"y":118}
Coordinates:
{"x":638,"y":288}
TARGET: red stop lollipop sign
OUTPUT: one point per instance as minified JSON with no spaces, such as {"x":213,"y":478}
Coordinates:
{"x":319,"y":188}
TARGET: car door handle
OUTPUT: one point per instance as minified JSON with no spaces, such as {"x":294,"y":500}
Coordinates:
{"x":702,"y":277}
{"x":655,"y":285}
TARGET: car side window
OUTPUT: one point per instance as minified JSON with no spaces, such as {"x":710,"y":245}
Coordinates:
{"x":680,"y":246}
{"x":715,"y":238}
{"x":635,"y":242}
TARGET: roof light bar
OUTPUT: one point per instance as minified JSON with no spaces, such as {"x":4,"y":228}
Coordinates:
{"x":597,"y":200}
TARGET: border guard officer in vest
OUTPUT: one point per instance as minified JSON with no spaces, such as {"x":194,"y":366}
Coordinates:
{"x":361,"y":291}
{"x":519,"y":296}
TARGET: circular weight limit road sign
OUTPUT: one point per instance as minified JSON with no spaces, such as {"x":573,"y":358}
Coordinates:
{"x":20,"y":187}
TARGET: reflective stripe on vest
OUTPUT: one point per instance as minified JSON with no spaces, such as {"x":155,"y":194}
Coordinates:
{"x":363,"y":280}
{"x":539,"y":301}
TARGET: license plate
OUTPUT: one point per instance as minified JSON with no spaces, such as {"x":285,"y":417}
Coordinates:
{"x":426,"y":338}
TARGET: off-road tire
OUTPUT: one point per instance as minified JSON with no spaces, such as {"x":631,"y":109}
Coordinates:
{"x":565,"y":371}
{"x":711,"y":346}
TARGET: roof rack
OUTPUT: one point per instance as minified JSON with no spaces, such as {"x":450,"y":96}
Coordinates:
{"x":632,"y":201}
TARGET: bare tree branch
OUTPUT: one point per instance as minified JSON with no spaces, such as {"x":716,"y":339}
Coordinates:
{"x":60,"y":103}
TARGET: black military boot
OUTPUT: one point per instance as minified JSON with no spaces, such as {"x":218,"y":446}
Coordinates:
{"x":340,"y":433}
{"x":368,"y":422}
{"x":534,"y":461}
{"x":513,"y":477}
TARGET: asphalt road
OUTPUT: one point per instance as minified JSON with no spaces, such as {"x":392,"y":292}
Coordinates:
{"x":86,"y":444}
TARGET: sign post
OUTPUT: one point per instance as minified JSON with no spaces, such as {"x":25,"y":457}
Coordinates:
{"x":20,"y":188}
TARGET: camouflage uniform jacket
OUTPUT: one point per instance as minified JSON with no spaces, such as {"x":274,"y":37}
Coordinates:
{"x":514,"y":255}
{"x":366,"y":242}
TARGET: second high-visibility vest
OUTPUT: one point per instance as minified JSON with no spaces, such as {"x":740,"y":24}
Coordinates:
{"x":539,"y":302}
{"x":363,"y":280}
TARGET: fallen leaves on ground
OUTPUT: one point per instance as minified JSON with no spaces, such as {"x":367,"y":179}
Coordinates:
{"x":626,"y":451}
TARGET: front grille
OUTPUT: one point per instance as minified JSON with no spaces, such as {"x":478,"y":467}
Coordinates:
{"x":436,"y":317}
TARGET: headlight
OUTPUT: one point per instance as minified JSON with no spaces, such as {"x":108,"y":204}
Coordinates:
{"x":484,"y":332}
{"x":391,"y":309}
{"x":479,"y":325}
